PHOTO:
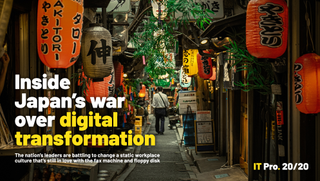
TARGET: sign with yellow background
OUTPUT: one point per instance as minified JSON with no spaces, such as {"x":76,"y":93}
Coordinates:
{"x":190,"y":65}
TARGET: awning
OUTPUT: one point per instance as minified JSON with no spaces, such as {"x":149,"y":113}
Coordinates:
{"x":217,"y":27}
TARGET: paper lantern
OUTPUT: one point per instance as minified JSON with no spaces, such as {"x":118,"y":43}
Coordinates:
{"x":155,"y":9}
{"x":214,"y":73}
{"x":267,"y":28}
{"x":96,"y":52}
{"x":59,"y":32}
{"x":204,"y":66}
{"x":142,"y":92}
{"x":101,"y":89}
{"x":185,"y":81}
{"x":307,"y":83}
{"x":190,"y":65}
{"x":118,"y":68}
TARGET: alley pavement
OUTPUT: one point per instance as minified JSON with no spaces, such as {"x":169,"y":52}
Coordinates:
{"x":171,"y":165}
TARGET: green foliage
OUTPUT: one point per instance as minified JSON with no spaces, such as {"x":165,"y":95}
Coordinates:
{"x":133,"y":83}
{"x":152,"y":47}
{"x":259,"y":73}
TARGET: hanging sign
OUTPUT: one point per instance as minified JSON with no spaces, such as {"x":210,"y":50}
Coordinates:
{"x":267,"y":28}
{"x":59,"y":32}
{"x":190,"y":65}
{"x":185,"y":81}
{"x":307,"y":83}
{"x":216,"y":6}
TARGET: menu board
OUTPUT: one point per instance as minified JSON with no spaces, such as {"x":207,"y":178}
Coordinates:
{"x":203,"y":115}
{"x":204,"y":132}
{"x":204,"y":138}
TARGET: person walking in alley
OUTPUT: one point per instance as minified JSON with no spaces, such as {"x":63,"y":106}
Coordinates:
{"x":159,"y":103}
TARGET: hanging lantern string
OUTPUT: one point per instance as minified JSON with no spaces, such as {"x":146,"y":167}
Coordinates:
{"x":308,"y":21}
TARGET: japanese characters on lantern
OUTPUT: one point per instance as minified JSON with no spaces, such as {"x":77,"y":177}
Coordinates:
{"x":267,"y":28}
{"x":96,"y":52}
{"x":307,"y":83}
{"x":59,"y":32}
{"x":204,"y":66}
{"x":190,"y":65}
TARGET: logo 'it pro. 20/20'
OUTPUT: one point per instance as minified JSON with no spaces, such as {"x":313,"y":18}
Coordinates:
{"x":271,"y":25}
{"x":297,"y":83}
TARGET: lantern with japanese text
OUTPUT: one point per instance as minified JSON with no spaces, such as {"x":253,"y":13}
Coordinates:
{"x":204,"y":66}
{"x":142,"y":92}
{"x":96,"y":52}
{"x":190,"y":65}
{"x":101,"y":89}
{"x":185,"y":81}
{"x":267,"y":28}
{"x":307,"y":83}
{"x":59,"y":32}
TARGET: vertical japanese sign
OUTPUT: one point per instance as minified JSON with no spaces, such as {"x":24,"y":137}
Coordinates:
{"x":190,"y":65}
{"x":59,"y":30}
{"x":185,"y":81}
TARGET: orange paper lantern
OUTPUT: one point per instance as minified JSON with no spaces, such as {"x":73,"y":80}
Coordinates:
{"x":267,"y":28}
{"x":214,"y":73}
{"x":59,"y":32}
{"x":307,"y":83}
{"x":118,"y":68}
{"x":142,"y":92}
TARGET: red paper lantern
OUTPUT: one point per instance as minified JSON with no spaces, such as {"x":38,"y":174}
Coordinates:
{"x":118,"y":68}
{"x":204,"y":66}
{"x":101,"y":89}
{"x":59,"y":32}
{"x":267,"y":28}
{"x":307,"y":83}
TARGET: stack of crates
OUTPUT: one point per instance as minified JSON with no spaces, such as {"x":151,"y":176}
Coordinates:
{"x":188,"y":127}
{"x":138,"y":125}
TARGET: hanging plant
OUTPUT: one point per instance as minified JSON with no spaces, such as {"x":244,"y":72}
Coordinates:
{"x":259,"y":74}
{"x":159,"y":36}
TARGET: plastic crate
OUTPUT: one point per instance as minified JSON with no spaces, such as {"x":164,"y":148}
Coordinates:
{"x":137,"y":129}
{"x":138,"y":121}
